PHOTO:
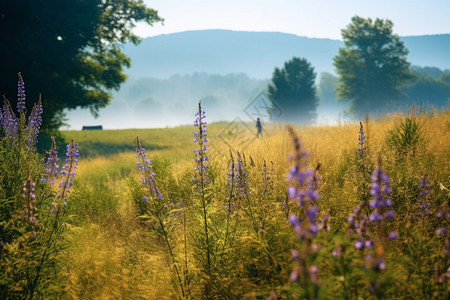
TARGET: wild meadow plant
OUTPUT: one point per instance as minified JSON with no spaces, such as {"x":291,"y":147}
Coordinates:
{"x":363,"y":166}
{"x":205,"y":240}
{"x":303,"y":190}
{"x":155,"y":209}
{"x":406,"y":137}
{"x":32,"y":219}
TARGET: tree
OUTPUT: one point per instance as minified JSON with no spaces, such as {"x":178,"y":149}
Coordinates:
{"x":293,"y":91}
{"x":372,"y":66}
{"x":67,"y":50}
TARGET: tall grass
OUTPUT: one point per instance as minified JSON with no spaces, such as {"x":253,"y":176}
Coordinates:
{"x":256,"y":261}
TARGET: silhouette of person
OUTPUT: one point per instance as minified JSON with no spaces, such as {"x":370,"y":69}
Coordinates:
{"x":259,"y":127}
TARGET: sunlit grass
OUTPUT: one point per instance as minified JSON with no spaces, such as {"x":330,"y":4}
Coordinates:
{"x":113,"y":256}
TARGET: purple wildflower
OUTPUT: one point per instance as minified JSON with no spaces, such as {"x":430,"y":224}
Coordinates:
{"x":21,"y":95}
{"x":361,"y":150}
{"x":393,"y":236}
{"x":313,"y":273}
{"x":200,"y":153}
{"x":423,"y":204}
{"x":10,"y":123}
{"x":378,"y":264}
{"x":444,"y":214}
{"x":304,"y":186}
{"x":380,"y":189}
{"x":237,"y":182}
{"x":339,"y":250}
{"x":51,"y":165}
{"x":294,"y":276}
{"x":295,"y":254}
{"x":325,"y":224}
{"x":148,"y":177}
{"x":359,"y":244}
{"x":232,"y":174}
{"x":442,"y":231}
{"x":34,"y":123}
{"x":241,"y":176}
{"x":68,"y":172}
{"x":29,"y":194}
{"x":303,"y":189}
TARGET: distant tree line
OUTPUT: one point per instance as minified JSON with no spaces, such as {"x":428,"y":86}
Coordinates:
{"x":373,"y":75}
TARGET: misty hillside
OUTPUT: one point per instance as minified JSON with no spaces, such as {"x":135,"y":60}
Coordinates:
{"x":227,"y":70}
{"x":256,"y":53}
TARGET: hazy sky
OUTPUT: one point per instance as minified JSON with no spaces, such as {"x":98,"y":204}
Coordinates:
{"x":311,"y":18}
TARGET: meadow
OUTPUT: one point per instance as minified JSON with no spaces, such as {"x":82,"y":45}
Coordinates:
{"x":352,"y":211}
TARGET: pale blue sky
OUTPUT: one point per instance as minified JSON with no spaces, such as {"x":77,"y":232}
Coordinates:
{"x":311,"y":18}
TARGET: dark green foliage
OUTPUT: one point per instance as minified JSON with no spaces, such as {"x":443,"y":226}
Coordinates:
{"x":68,"y":50}
{"x":429,"y":88}
{"x":372,"y":66}
{"x":293,"y":91}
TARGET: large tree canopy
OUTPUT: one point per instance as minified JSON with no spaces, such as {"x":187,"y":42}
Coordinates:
{"x":372,"y":66}
{"x":67,"y":50}
{"x":294,"y":92}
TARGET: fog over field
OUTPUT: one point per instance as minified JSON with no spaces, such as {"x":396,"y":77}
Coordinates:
{"x":227,"y":70}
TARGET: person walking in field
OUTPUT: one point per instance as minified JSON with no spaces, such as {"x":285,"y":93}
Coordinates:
{"x":259,"y":127}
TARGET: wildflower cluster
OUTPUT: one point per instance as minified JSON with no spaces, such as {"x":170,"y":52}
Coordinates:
{"x":9,"y":122}
{"x":144,"y":165}
{"x":237,"y":177}
{"x":51,"y":165}
{"x":29,"y":194}
{"x":444,"y":215}
{"x":67,"y":175}
{"x":379,"y":211}
{"x":157,"y":210}
{"x":380,"y":189}
{"x":30,"y":238}
{"x":34,"y":123}
{"x":303,"y":190}
{"x":424,"y":206}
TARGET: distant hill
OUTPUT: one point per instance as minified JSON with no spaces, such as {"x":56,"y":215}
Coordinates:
{"x":256,"y":53}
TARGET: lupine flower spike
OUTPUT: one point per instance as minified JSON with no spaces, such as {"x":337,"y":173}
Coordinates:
{"x":51,"y":165}
{"x":362,"y":148}
{"x":380,"y":189}
{"x":303,"y":188}
{"x":424,"y":206}
{"x":201,"y":169}
{"x":444,"y":215}
{"x":200,"y":154}
{"x":10,"y":122}
{"x":68,"y":174}
{"x":29,"y":195}
{"x":241,"y":176}
{"x":144,"y":165}
{"x":21,"y":95}
{"x":34,"y":123}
